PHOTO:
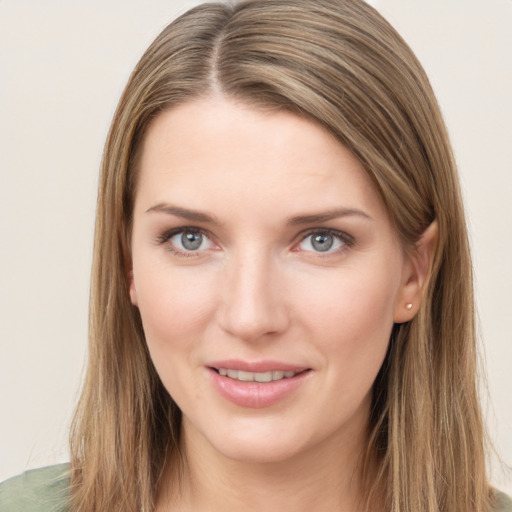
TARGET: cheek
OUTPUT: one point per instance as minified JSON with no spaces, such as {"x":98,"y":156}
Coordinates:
{"x":350,"y":318}
{"x":175,"y":304}
{"x":176,"y":309}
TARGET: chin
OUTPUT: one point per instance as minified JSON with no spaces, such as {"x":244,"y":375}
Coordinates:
{"x":248,"y":440}
{"x":260,"y":452}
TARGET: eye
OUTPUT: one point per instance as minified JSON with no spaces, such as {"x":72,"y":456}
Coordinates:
{"x":324,"y":241}
{"x":186,"y":240}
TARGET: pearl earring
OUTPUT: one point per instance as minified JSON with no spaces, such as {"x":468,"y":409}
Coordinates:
{"x":408,"y":306}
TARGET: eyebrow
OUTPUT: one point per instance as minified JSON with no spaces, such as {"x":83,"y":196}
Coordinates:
{"x":199,"y":216}
{"x":184,"y":213}
{"x":327,"y":215}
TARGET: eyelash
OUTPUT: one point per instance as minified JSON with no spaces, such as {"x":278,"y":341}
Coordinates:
{"x":346,"y":240}
{"x":167,"y":235}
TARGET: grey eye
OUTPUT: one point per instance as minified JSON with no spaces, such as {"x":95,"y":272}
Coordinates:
{"x":191,"y":241}
{"x":321,"y":242}
{"x":187,"y":241}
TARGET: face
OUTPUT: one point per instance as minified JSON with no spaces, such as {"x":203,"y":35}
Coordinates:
{"x":268,"y":277}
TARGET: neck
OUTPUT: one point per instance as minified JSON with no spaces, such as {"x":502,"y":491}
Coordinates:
{"x":328,"y":477}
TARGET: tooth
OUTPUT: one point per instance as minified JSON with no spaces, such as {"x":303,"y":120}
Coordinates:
{"x":244,"y":376}
{"x":263,"y":377}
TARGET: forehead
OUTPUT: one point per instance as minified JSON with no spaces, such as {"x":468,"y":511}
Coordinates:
{"x":216,"y":146}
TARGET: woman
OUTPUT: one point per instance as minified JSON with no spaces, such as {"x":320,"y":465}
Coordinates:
{"x":281,"y":307}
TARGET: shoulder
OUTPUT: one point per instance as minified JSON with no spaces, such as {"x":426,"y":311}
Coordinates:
{"x":502,"y":503}
{"x":38,"y":490}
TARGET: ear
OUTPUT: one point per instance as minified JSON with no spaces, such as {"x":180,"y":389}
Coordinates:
{"x":133,"y":291}
{"x":417,"y":271}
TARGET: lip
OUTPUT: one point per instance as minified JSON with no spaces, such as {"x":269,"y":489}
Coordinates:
{"x":256,"y":366}
{"x":256,"y":395}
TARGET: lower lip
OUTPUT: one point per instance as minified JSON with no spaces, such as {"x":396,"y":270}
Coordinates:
{"x":256,"y":395}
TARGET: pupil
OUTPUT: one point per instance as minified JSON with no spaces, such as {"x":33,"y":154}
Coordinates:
{"x":322,"y":243}
{"x":191,"y":241}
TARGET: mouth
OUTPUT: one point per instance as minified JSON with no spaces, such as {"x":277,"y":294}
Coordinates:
{"x":257,"y":385}
{"x":267,"y":376}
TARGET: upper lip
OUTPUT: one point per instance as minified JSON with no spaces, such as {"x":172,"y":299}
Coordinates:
{"x":256,"y":366}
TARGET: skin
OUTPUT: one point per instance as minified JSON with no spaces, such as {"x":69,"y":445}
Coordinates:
{"x":257,"y":289}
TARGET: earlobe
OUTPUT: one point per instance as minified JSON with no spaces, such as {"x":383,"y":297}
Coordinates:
{"x":133,"y":291}
{"x":417,"y":275}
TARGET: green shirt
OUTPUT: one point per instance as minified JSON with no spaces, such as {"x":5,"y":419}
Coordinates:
{"x":37,"y":490}
{"x":47,"y":490}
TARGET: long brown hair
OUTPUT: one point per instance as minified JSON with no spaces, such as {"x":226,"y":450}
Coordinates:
{"x":341,"y":64}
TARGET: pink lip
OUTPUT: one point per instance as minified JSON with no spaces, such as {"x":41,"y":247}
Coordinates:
{"x":256,"y":395}
{"x":256,"y":366}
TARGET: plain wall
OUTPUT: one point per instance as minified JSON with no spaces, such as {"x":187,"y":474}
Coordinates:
{"x":63,"y":65}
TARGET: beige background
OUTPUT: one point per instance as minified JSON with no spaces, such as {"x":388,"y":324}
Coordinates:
{"x":63,"y":65}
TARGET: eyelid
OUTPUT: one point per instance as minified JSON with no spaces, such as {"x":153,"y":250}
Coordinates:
{"x":348,"y":240}
{"x":169,"y":233}
{"x":164,"y":237}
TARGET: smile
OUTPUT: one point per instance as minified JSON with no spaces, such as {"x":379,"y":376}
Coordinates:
{"x":240,"y":383}
{"x":245,"y":376}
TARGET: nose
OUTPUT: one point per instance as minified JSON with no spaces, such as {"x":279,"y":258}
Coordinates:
{"x":254,"y":303}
